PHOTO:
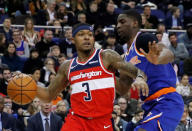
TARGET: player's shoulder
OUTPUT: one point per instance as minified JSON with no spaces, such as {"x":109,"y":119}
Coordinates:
{"x":108,"y":52}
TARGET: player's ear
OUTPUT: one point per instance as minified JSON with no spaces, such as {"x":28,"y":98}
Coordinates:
{"x":73,"y":40}
{"x":135,"y":24}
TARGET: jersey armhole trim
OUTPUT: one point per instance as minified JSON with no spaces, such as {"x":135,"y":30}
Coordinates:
{"x":101,"y":63}
{"x":69,"y":70}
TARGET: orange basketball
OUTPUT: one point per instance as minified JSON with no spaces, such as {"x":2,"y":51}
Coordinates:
{"x":22,"y":89}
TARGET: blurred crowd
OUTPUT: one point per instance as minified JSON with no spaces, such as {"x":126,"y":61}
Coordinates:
{"x":40,"y":51}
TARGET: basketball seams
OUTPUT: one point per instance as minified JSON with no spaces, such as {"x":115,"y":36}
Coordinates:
{"x":22,"y":85}
{"x":22,"y":89}
{"x":19,"y":90}
{"x":21,"y":97}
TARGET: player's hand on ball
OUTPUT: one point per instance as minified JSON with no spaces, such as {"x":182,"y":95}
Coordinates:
{"x":141,"y":85}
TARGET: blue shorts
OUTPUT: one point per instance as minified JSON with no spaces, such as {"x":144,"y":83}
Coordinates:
{"x":163,"y":113}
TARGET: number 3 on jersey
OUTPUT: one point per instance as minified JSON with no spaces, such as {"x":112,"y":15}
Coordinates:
{"x":88,"y":97}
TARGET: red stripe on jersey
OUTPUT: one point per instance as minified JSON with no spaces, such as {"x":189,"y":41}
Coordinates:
{"x":88,"y":74}
{"x":68,"y":72}
{"x":100,"y":57}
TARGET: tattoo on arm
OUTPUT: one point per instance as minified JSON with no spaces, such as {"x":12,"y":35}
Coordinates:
{"x":116,"y":61}
{"x":60,"y":82}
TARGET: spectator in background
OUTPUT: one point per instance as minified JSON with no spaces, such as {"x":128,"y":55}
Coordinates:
{"x":186,"y":38}
{"x":152,"y":20}
{"x":57,"y":32}
{"x":36,"y":74}
{"x":93,"y":15}
{"x":7,"y":120}
{"x":78,"y":6}
{"x":114,"y":117}
{"x":81,"y":17}
{"x":50,"y":12}
{"x":7,"y":31}
{"x":179,"y":50}
{"x":145,"y":23}
{"x":122,"y":102}
{"x":159,"y":36}
{"x":135,"y":120}
{"x":187,"y":66}
{"x":174,"y":21}
{"x":184,"y":88}
{"x":47,"y":121}
{"x":65,"y":17}
{"x":11,"y":59}
{"x":32,"y":109}
{"x":61,"y":109}
{"x":4,"y":81}
{"x":2,"y":44}
{"x":32,"y":62}
{"x":35,"y":6}
{"x":51,"y":78}
{"x":127,"y":4}
{"x":7,"y":105}
{"x":44,"y":45}
{"x":118,"y":121}
{"x":184,"y":124}
{"x":49,"y":67}
{"x":109,"y":17}
{"x":66,"y":46}
{"x":22,"y":48}
{"x":54,"y":54}
{"x":165,"y":38}
{"x":110,"y":43}
{"x":61,"y":58}
{"x":30,"y":36}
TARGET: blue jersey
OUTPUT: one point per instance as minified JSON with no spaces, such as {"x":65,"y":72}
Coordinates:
{"x":159,"y":76}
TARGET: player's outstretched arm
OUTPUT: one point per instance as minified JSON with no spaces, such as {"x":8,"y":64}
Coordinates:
{"x":158,"y":54}
{"x":56,"y":86}
{"x":112,"y":59}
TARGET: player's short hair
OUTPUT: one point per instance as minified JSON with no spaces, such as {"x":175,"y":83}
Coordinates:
{"x":133,"y":14}
{"x":143,"y":39}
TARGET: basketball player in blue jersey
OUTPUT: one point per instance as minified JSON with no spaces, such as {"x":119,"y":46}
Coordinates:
{"x":91,"y":77}
{"x":163,"y":107}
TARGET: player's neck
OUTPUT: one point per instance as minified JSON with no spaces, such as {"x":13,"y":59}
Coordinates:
{"x":85,"y":55}
{"x":130,"y":41}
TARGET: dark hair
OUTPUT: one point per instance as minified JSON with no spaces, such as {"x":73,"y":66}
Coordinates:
{"x":158,"y":32}
{"x":61,"y":55}
{"x":171,"y":34}
{"x":133,"y":14}
{"x":5,"y":68}
{"x":174,"y":9}
{"x":35,"y":69}
{"x":184,"y":75}
{"x":7,"y":53}
{"x":139,"y":110}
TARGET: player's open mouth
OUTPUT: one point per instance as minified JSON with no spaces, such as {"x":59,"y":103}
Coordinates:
{"x":87,"y":44}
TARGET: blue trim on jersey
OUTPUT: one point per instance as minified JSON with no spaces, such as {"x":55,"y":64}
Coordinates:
{"x":94,"y":62}
{"x":159,"y":76}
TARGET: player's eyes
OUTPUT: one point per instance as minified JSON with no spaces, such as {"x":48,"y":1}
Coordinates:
{"x":90,"y":34}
